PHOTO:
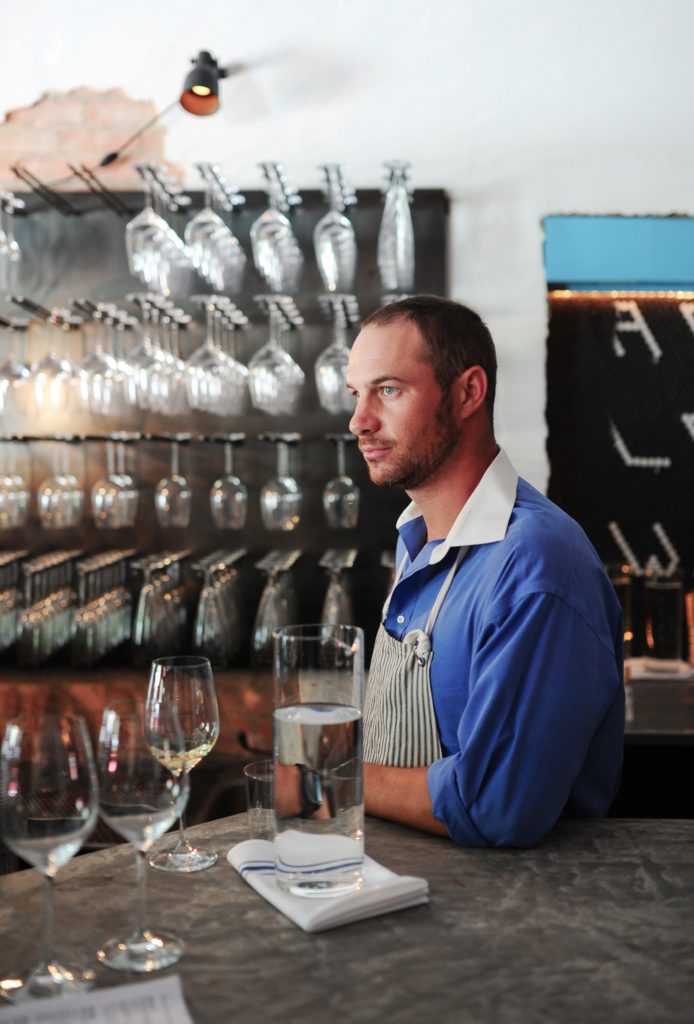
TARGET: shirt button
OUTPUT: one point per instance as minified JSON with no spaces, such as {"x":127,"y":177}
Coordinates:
{"x":401,"y":619}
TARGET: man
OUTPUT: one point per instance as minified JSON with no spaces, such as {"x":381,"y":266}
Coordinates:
{"x":495,"y":700}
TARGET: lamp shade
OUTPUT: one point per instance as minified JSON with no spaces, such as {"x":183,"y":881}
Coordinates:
{"x":200,"y":94}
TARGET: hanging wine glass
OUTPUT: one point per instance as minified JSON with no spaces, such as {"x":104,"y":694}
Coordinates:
{"x":55,"y":376}
{"x":341,"y":494}
{"x":14,"y":374}
{"x":10,"y":253}
{"x":330,"y":369}
{"x":333,"y":236}
{"x":277,"y":606}
{"x":276,"y":380}
{"x":228,"y":496}
{"x":280,"y":497}
{"x":215,"y":382}
{"x":337,"y":604}
{"x":276,"y":253}
{"x":395,"y":254}
{"x":214,"y":250}
{"x":14,"y":493}
{"x":167,"y":377}
{"x":173,"y":497}
{"x":48,"y":807}
{"x":114,"y":498}
{"x":60,"y":496}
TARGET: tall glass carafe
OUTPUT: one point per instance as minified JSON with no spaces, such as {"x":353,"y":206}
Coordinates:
{"x":396,"y":233}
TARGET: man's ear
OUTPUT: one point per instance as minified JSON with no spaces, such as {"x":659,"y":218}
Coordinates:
{"x":470,"y":391}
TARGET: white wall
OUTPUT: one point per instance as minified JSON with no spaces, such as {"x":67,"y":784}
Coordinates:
{"x":516,"y":109}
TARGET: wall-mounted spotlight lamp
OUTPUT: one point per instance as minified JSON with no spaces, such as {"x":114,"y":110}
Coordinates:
{"x":200,"y":96}
{"x":201,"y":86}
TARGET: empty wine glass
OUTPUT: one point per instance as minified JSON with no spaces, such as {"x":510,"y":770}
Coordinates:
{"x":156,"y":254}
{"x":341,"y":494}
{"x":14,"y":493}
{"x":114,"y":498}
{"x":140,"y":799}
{"x":276,"y":380}
{"x":337,"y":604}
{"x":214,"y":249}
{"x":55,"y":376}
{"x":333,"y":236}
{"x":228,"y":496}
{"x":186,"y":684}
{"x":280,"y":497}
{"x":331,"y":366}
{"x":276,"y":253}
{"x":48,"y":807}
{"x":215,"y":381}
{"x":14,"y":374}
{"x":277,"y":606}
{"x":10,"y":253}
{"x":60,"y":496}
{"x":395,"y":253}
{"x":218,"y":630}
{"x":173,"y":497}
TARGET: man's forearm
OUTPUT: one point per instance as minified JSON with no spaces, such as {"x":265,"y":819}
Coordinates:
{"x":400,"y":794}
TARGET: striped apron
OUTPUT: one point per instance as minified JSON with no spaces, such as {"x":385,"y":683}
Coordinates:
{"x":399,"y":718}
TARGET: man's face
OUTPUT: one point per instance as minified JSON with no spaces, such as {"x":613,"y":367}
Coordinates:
{"x":404,"y":422}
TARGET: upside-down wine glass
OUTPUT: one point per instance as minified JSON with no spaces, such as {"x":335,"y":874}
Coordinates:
{"x":276,"y":380}
{"x":228,"y":495}
{"x":333,"y":236}
{"x":15,"y":375}
{"x":48,"y":807}
{"x":173,"y":497}
{"x":186,"y":684}
{"x":276,"y":253}
{"x":280,"y":497}
{"x":341,"y":494}
{"x":330,"y":368}
{"x":140,"y":799}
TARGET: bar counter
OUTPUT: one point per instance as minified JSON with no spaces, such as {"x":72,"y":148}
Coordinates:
{"x":594,"y":924}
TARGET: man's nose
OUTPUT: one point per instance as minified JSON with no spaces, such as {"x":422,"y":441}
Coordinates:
{"x":363,"y":420}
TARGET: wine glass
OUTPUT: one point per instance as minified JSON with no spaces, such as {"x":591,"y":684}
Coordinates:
{"x":15,"y":375}
{"x":280,"y":497}
{"x":330,"y":368}
{"x":277,"y":607}
{"x":173,"y":497}
{"x":186,"y":683}
{"x":48,"y":807}
{"x":140,"y":799}
{"x":333,"y":236}
{"x":341,"y":494}
{"x":395,"y":253}
{"x":276,"y":253}
{"x":228,"y":496}
{"x":14,"y":493}
{"x":337,"y":604}
{"x":276,"y":380}
{"x":60,"y":496}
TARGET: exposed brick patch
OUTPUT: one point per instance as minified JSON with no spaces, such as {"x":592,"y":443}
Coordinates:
{"x":80,"y":127}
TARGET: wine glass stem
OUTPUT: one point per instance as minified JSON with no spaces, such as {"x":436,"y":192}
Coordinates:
{"x":282,"y":458}
{"x":141,"y":882}
{"x":182,"y":844}
{"x":47,"y":926}
{"x":341,"y":471}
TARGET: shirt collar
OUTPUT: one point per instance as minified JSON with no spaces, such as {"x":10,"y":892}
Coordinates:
{"x":484,"y":517}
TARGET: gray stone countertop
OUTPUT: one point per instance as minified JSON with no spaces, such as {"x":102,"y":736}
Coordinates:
{"x":595,"y":924}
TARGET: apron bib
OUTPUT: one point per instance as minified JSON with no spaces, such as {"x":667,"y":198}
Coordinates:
{"x":399,"y":719}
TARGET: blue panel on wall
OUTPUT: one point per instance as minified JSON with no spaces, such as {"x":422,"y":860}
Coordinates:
{"x":604,"y":253}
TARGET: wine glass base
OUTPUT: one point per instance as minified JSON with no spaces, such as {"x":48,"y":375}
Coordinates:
{"x":185,"y":862}
{"x":46,"y":980}
{"x":142,"y":953}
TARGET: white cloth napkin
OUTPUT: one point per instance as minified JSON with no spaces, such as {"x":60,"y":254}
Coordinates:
{"x":382,"y":891}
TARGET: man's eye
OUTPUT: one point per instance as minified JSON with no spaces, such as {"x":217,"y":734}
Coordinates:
{"x":389,"y":389}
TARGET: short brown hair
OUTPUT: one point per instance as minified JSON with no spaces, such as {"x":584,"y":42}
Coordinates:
{"x":457,"y":337}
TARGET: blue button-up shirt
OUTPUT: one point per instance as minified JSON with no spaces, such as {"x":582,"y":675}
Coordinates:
{"x":526,"y":672}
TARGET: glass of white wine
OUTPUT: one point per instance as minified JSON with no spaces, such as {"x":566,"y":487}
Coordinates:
{"x":48,"y":807}
{"x":186,"y":683}
{"x":140,"y":799}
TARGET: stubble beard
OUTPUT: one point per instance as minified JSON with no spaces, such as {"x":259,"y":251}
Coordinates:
{"x":413,"y":470}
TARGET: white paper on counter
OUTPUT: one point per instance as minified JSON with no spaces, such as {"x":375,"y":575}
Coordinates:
{"x":382,"y":891}
{"x":146,"y":1002}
